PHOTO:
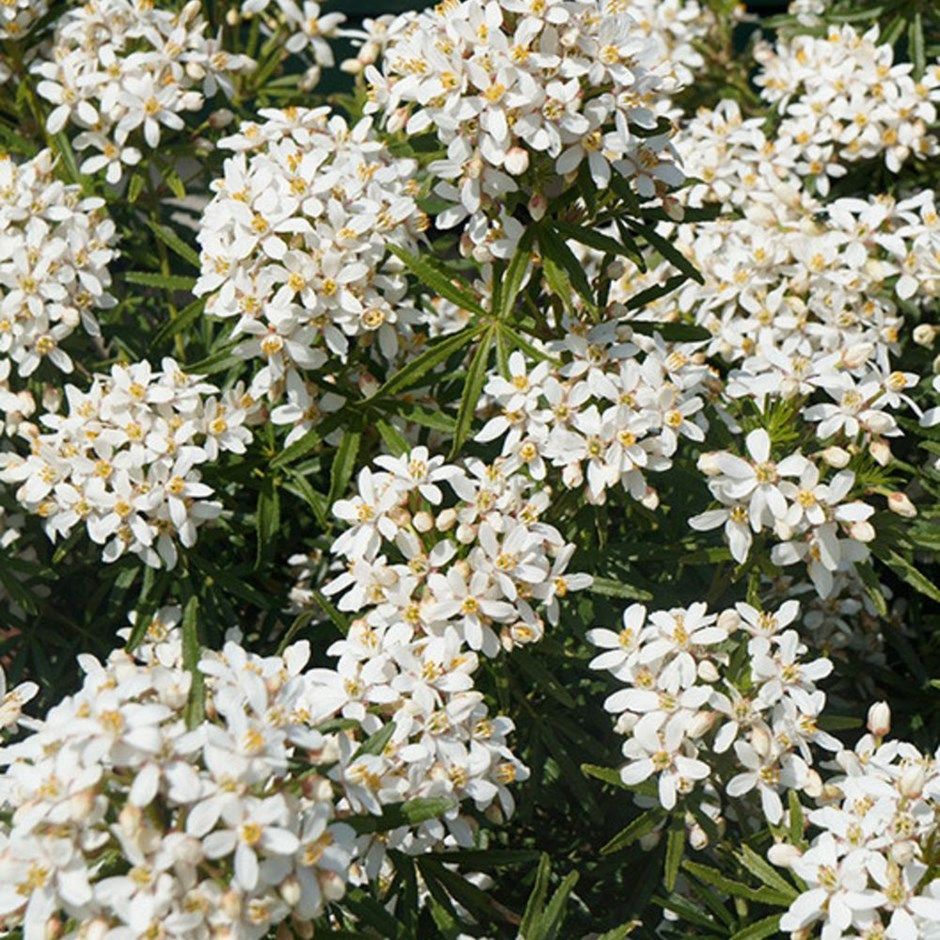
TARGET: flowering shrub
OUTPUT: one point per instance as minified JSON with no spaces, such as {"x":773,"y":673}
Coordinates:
{"x":470,"y":471}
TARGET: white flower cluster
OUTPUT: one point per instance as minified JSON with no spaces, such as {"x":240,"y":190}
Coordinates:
{"x":798,"y":294}
{"x":124,"y":461}
{"x":867,"y":871}
{"x":55,"y":247}
{"x":459,"y":573}
{"x":293,"y":242}
{"x":18,"y":16}
{"x":612,"y":411}
{"x":512,"y":87}
{"x":811,"y":520}
{"x":677,"y":26}
{"x":678,"y":669}
{"x":119,"y":67}
{"x":214,"y":830}
{"x":842,"y":97}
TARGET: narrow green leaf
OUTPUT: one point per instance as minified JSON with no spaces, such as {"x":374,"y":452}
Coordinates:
{"x":915,"y":42}
{"x":515,"y":276}
{"x":533,"y":908}
{"x":375,"y":743}
{"x":267,"y":517}
{"x":343,"y":464}
{"x":796,"y":818}
{"x":192,"y":653}
{"x":671,"y":332}
{"x":593,"y":239}
{"x":300,"y":486}
{"x":165,"y":281}
{"x":436,"y":353}
{"x":675,"y":848}
{"x":542,"y":679}
{"x":904,"y":569}
{"x":300,"y":448}
{"x":556,"y":251}
{"x":639,"y":827}
{"x":651,"y":294}
{"x":610,"y":588}
{"x":397,"y":815}
{"x":182,"y":321}
{"x":487,"y":858}
{"x":438,"y":280}
{"x":473,"y":389}
{"x":174,"y":242}
{"x":762,"y":869}
{"x":337,"y":618}
{"x":759,"y":930}
{"x":395,"y":441}
{"x":668,"y":251}
{"x":553,"y":918}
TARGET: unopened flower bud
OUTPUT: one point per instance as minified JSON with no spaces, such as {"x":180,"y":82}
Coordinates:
{"x":423,"y":521}
{"x":220,"y":118}
{"x":231,"y":904}
{"x":912,"y":781}
{"x":615,"y":270}
{"x":729,"y":620}
{"x":650,"y":841}
{"x":465,"y":533}
{"x":650,"y":498}
{"x":538,"y":206}
{"x":290,"y":891}
{"x":233,"y":17}
{"x":700,"y":723}
{"x":862,"y":531}
{"x":899,"y":503}
{"x":517,"y":161}
{"x":761,"y":741}
{"x":880,"y":452}
{"x":446,"y":520}
{"x":812,"y":784}
{"x":903,"y":852}
{"x":879,"y":719}
{"x":698,"y":838}
{"x":708,"y":671}
{"x":925,"y":334}
{"x":836,"y":457}
{"x":708,"y":464}
{"x":783,"y":855}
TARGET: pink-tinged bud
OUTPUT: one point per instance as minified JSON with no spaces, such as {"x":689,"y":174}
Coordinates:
{"x":517,"y":161}
{"x":423,"y":522}
{"x":231,"y":904}
{"x":862,"y":531}
{"x":368,"y":384}
{"x":880,"y":452}
{"x":397,"y":120}
{"x":673,"y":208}
{"x":879,"y":719}
{"x":836,"y":457}
{"x":616,"y":270}
{"x":538,"y":206}
{"x":783,"y":855}
{"x":899,"y":503}
{"x":708,"y":464}
{"x":912,"y":781}
{"x":221,"y":118}
{"x":650,"y":498}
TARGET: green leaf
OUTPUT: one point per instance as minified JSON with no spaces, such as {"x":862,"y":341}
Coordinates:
{"x":542,"y":679}
{"x":182,"y":321}
{"x":762,"y":869}
{"x":610,"y":588}
{"x":397,"y":815}
{"x":712,"y":876}
{"x":192,"y":653}
{"x":165,"y":281}
{"x":796,"y":818}
{"x":651,"y":294}
{"x":337,"y":618}
{"x":300,"y":448}
{"x":533,"y":908}
{"x":418,"y":414}
{"x":267,"y":517}
{"x":904,"y":569}
{"x":675,"y":849}
{"x":174,"y":243}
{"x":556,"y":253}
{"x":514,"y":276}
{"x":668,"y":251}
{"x":915,"y":43}
{"x":395,"y":441}
{"x":473,"y":389}
{"x":438,"y":280}
{"x":766,"y":927}
{"x":671,"y":332}
{"x":436,"y":353}
{"x":135,"y":187}
{"x":344,"y":463}
{"x":596,"y":240}
{"x":553,"y":918}
{"x":467,"y":895}
{"x":487,"y":858}
{"x":375,"y":743}
{"x":639,"y":827}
